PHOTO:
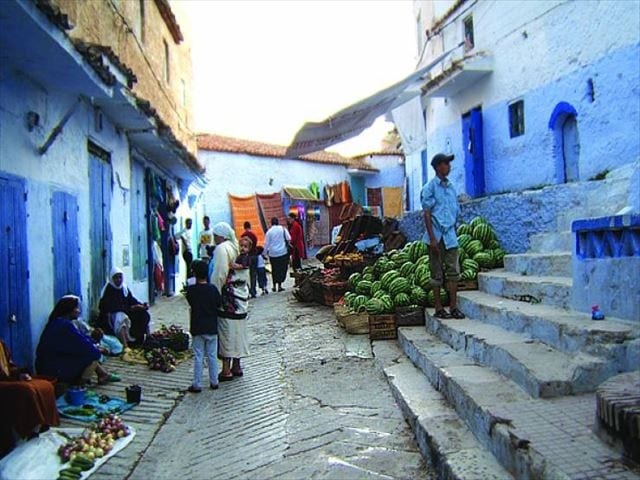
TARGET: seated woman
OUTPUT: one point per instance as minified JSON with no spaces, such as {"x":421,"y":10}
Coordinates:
{"x":122,"y":313}
{"x":27,"y":404}
{"x":65,"y":352}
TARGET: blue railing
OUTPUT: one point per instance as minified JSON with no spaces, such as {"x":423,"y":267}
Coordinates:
{"x":607,"y":237}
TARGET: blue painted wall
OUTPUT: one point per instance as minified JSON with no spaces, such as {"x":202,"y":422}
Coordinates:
{"x":545,"y":53}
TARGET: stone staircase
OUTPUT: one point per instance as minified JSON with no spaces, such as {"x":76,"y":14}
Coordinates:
{"x":519,"y":373}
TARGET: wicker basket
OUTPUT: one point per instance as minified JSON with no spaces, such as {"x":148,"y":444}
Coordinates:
{"x":410,"y":317}
{"x":356,"y":323}
{"x":383,"y":327}
{"x":341,"y":311}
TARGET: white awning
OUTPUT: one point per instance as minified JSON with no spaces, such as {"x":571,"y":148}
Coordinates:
{"x":353,"y":120}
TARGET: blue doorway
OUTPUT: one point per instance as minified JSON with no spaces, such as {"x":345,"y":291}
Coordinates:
{"x":66,"y":246}
{"x":570,"y":149}
{"x":100,"y":187}
{"x":473,"y":147}
{"x":15,"y":321}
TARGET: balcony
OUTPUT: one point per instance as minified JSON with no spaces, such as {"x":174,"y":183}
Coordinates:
{"x":454,"y":75}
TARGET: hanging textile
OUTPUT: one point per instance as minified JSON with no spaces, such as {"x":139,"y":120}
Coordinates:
{"x":245,"y":209}
{"x":270,"y":205}
{"x":374,"y":197}
{"x":321,"y":232}
{"x":392,"y":202}
{"x":345,"y":192}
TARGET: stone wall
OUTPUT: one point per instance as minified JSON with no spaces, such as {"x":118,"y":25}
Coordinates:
{"x":116,"y":24}
{"x":517,"y":216}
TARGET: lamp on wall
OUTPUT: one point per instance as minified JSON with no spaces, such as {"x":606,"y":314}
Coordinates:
{"x":33,"y":120}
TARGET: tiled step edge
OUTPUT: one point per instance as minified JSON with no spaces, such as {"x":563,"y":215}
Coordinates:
{"x":444,"y":440}
{"x":443,"y":367}
{"x":547,"y":290}
{"x":539,"y":369}
{"x":556,"y":264}
{"x":565,"y":330}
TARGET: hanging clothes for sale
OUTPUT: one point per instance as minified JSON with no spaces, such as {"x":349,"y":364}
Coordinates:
{"x":345,"y":192}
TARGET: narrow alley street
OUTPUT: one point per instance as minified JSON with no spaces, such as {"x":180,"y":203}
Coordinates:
{"x":312,"y":404}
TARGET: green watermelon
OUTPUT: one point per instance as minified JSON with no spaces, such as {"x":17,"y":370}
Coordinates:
{"x":484,"y":259}
{"x":388,"y":277}
{"x":364,"y":287}
{"x":464,"y":240}
{"x":375,"y":286}
{"x":353,"y":280}
{"x":462,"y":255}
{"x":407,"y":269}
{"x":464,"y":229}
{"x":388,"y":303}
{"x":400,"y":258}
{"x":379,"y":294}
{"x":476,"y":221}
{"x":484,"y":233}
{"x":497,"y":255}
{"x":399,"y":285}
{"x":470,"y":264}
{"x":401,"y":300}
{"x":493,"y":244}
{"x":418,"y":296}
{"x":368,"y":277}
{"x":474,"y":247}
{"x":357,"y":305}
{"x":444,"y":297}
{"x":469,"y":275}
{"x":423,"y":277}
{"x":374,"y":306}
{"x":418,"y":249}
{"x":368,"y":269}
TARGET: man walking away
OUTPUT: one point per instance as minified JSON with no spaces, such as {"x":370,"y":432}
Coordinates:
{"x":440,"y":205}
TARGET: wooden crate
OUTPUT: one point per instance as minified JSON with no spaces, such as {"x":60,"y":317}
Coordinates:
{"x":464,"y":285}
{"x":410,"y":317}
{"x":356,"y":323}
{"x":382,"y":327}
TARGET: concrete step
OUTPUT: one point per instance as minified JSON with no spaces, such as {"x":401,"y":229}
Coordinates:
{"x":552,"y":242}
{"x":546,"y":290}
{"x":472,"y":391}
{"x":538,"y":368}
{"x":564,"y":330}
{"x":530,"y":438}
{"x":444,"y":440}
{"x":557,"y":264}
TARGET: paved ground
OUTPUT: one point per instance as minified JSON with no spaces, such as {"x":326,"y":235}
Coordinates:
{"x":312,"y":404}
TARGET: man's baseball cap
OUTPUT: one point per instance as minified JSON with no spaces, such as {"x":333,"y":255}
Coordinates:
{"x":440,"y":158}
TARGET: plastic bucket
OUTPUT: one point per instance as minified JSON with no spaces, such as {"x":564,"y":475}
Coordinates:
{"x":134,"y":394}
{"x":76,"y":396}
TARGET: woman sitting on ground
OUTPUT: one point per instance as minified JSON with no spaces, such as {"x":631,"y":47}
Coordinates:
{"x":122,"y":313}
{"x":65,"y":352}
{"x":27,"y":403}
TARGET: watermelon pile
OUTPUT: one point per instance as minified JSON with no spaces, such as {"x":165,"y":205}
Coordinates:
{"x":400,"y":278}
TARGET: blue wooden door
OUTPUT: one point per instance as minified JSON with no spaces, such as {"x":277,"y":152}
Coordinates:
{"x":100,"y":186}
{"x":66,"y":248}
{"x":472,"y":143}
{"x":15,"y":321}
{"x":570,"y":149}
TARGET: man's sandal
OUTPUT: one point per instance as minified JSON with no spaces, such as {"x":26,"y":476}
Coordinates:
{"x":455,"y":313}
{"x":442,"y":313}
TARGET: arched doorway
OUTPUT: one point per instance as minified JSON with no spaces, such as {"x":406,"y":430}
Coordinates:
{"x":566,"y":147}
{"x":570,"y":149}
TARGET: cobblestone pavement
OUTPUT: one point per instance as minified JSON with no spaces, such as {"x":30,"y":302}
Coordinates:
{"x":309,"y":406}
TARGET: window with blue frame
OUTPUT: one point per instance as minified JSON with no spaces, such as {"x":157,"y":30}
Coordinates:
{"x":516,"y":118}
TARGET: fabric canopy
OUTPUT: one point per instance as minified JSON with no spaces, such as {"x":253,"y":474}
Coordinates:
{"x":245,"y":209}
{"x":353,"y":120}
{"x":300,"y":193}
{"x":270,"y":206}
{"x":392,"y":201}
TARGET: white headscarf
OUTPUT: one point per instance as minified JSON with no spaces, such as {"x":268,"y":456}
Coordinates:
{"x":224,"y":230}
{"x":115,"y":271}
